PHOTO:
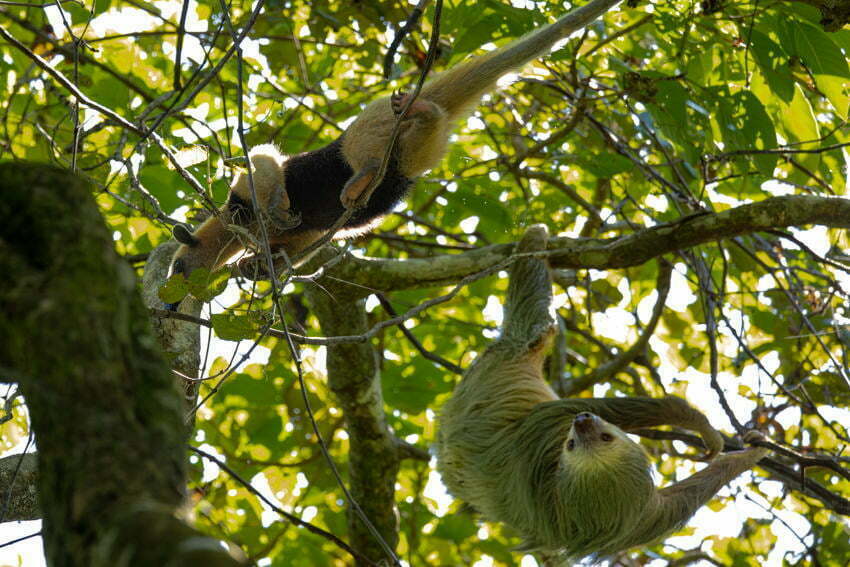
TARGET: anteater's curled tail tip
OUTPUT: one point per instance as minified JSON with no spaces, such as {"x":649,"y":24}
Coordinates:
{"x":535,"y":239}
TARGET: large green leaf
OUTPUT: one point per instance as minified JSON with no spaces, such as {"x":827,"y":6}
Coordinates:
{"x":827,"y":64}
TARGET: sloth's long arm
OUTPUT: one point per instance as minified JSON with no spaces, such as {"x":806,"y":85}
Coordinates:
{"x":677,"y":503}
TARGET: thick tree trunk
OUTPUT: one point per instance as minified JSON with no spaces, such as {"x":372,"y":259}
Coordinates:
{"x":105,"y":409}
{"x":373,"y":457}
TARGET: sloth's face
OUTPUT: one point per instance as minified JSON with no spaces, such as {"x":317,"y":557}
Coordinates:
{"x":593,"y":443}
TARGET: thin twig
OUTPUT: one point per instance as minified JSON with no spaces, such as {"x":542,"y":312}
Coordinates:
{"x":401,"y":34}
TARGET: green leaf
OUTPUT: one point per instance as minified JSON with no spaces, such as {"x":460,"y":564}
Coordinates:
{"x":670,"y":114}
{"x":174,"y":290}
{"x":163,"y":183}
{"x":834,"y":545}
{"x":760,"y":132}
{"x":831,"y":389}
{"x":205,"y":285}
{"x":604,"y":294}
{"x":455,"y":527}
{"x":826,"y":63}
{"x":745,"y":125}
{"x":773,"y":62}
{"x":232,"y":327}
{"x":605,"y":165}
{"x":799,"y":118}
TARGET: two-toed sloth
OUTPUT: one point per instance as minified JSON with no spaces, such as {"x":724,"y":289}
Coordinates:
{"x":312,"y":190}
{"x":563,"y":472}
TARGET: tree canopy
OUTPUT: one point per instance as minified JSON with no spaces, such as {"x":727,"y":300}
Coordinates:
{"x":710,"y":137}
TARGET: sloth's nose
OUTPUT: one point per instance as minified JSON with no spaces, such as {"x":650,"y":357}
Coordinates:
{"x":583,"y":421}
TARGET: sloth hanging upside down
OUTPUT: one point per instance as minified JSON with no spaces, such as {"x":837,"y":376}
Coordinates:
{"x":563,"y":472}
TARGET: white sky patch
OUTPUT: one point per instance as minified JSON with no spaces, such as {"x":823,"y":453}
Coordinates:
{"x":261,"y":485}
{"x":493,"y":310}
{"x":91,"y":117}
{"x":301,"y":483}
{"x":251,"y":50}
{"x":211,"y":470}
{"x":680,"y":292}
{"x":485,"y":561}
{"x":469,"y":224}
{"x":790,"y":417}
{"x":54,"y":16}
{"x":575,"y":231}
{"x":831,"y":413}
{"x":474,"y":123}
{"x":436,"y":491}
{"x":560,"y":300}
{"x":219,"y":347}
{"x":613,"y":323}
{"x":316,"y":360}
{"x":31,"y":551}
{"x":646,"y":305}
{"x":657,"y":202}
{"x":372,"y":302}
{"x":199,"y":112}
{"x":597,"y":274}
{"x":309,"y":513}
{"x":766,"y":283}
{"x":125,"y":20}
{"x":815,"y":238}
{"x":626,"y":292}
{"x":777,"y":188}
{"x":487,"y":153}
{"x":190,"y":137}
{"x":528,"y":561}
{"x":507,"y":80}
{"x":722,"y":198}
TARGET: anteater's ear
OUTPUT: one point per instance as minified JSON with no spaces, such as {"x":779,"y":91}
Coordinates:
{"x":183,"y":234}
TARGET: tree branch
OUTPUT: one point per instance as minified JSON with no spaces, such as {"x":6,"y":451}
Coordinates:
{"x":360,"y":276}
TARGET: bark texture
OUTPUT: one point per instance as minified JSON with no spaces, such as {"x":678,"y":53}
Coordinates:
{"x":365,"y":275}
{"x":18,"y":495}
{"x":105,"y":409}
{"x":178,"y":338}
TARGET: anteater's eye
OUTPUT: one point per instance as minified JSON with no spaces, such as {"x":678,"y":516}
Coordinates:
{"x":607,"y":437}
{"x":571,"y":444}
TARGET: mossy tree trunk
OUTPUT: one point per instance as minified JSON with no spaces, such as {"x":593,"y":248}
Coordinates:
{"x":374,"y":456}
{"x":105,"y":409}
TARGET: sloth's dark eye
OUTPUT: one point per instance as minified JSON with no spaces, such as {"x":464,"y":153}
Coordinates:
{"x":571,"y":444}
{"x":607,"y":437}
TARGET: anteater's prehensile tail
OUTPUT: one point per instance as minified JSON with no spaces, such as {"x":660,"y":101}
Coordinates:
{"x":460,"y":88}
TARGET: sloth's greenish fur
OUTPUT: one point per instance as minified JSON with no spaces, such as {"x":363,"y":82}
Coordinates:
{"x":517,"y":453}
